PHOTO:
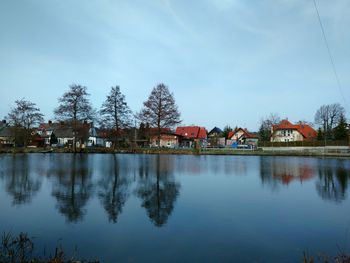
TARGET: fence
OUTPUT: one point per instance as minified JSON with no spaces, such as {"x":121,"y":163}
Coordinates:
{"x":304,"y":144}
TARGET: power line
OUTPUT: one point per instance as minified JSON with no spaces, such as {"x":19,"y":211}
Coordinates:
{"x":330,"y":54}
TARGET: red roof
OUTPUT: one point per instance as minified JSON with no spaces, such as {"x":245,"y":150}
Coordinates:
{"x":304,"y":129}
{"x":246,"y":133}
{"x":192,"y":132}
{"x":230,"y":134}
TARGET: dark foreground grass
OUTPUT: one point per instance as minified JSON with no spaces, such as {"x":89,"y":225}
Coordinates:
{"x":21,"y":249}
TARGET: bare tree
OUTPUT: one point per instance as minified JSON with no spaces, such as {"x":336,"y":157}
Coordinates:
{"x":328,"y":116}
{"x":24,"y":117}
{"x":115,"y":112}
{"x":160,"y":109}
{"x":265,"y":130}
{"x":75,"y":107}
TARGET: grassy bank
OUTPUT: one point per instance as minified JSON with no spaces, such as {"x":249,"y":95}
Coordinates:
{"x":274,"y":152}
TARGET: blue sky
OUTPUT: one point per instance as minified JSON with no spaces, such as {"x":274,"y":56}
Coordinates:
{"x":226,"y":61}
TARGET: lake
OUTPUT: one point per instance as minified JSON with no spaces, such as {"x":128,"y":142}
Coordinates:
{"x":178,"y":208}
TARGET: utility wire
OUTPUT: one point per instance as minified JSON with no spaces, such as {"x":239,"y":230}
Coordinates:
{"x":330,"y":54}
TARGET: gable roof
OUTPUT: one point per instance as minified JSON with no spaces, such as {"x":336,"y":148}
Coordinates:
{"x":6,"y":131}
{"x":246,"y":133}
{"x":304,"y":129}
{"x":192,"y":132}
{"x":64,"y":132}
{"x":215,"y":130}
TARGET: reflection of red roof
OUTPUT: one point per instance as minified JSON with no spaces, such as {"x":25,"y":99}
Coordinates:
{"x":304,"y":129}
{"x":305,"y":173}
{"x":192,"y":132}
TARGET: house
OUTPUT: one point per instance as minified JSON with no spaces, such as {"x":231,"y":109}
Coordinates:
{"x":192,"y":134}
{"x":168,"y":140}
{"x":97,"y":138}
{"x":285,"y":131}
{"x":215,"y":138}
{"x":6,"y":134}
{"x":45,"y":130}
{"x":240,"y":136}
{"x":65,"y":136}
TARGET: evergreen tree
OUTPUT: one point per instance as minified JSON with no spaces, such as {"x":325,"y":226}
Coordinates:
{"x":320,"y":135}
{"x":53,"y":139}
{"x":341,"y":130}
{"x":226,"y":131}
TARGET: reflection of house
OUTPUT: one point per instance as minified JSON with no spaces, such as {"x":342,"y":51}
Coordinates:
{"x":288,"y":170}
{"x":285,"y":131}
{"x":192,"y":134}
{"x":6,"y":136}
{"x":215,"y":138}
{"x":242,"y":136}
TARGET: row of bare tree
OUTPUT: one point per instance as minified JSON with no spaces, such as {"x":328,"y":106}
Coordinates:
{"x":159,"y":111}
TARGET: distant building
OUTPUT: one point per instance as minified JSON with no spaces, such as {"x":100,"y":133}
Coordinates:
{"x":6,"y":134}
{"x":216,"y":138}
{"x":168,"y":140}
{"x":192,"y":134}
{"x":285,"y":131}
{"x":240,"y":136}
{"x":64,"y":133}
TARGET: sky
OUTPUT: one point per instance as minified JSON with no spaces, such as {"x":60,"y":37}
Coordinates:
{"x":227,"y":62}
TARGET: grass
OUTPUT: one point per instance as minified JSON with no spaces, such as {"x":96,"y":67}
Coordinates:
{"x":20,"y":249}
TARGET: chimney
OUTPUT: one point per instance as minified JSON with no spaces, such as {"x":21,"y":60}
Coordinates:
{"x":50,"y":122}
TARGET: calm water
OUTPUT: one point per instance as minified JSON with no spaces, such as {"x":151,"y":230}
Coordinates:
{"x":169,"y":208}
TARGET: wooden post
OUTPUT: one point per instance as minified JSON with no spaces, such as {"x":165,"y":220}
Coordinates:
{"x":349,"y":136}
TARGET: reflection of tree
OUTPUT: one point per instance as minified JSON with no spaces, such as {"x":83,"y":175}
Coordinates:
{"x":333,"y":180}
{"x":114,"y":191}
{"x":73,"y":189}
{"x":158,"y":191}
{"x":20,"y":184}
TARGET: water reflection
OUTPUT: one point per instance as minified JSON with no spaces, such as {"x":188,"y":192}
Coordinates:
{"x":157,"y":188}
{"x":151,"y":179}
{"x":19,"y":181}
{"x":113,"y":189}
{"x":73,"y":186}
{"x":283,"y":171}
{"x":333,"y":177}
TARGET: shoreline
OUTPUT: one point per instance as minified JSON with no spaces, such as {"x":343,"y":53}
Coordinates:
{"x":223,"y":152}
